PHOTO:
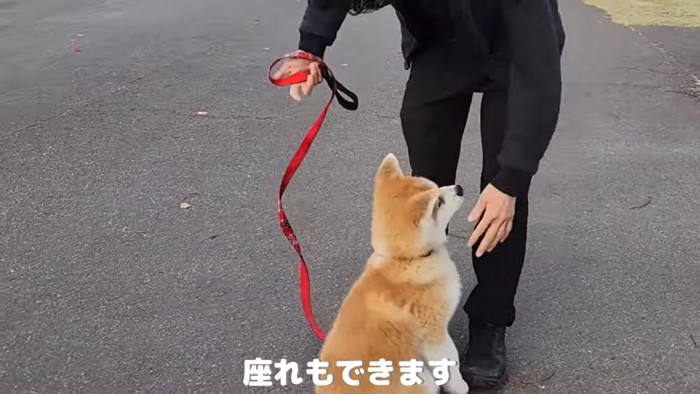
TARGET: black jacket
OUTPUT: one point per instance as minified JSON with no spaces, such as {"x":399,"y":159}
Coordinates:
{"x":522,"y":39}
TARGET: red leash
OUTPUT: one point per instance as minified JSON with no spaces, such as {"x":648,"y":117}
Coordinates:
{"x":298,"y":157}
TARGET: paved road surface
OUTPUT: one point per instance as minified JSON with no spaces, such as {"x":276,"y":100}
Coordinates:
{"x":109,"y":286}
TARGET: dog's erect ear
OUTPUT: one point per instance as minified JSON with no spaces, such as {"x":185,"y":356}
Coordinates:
{"x":390,"y":166}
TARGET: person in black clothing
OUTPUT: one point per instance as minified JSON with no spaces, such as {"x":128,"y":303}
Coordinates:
{"x":509,"y":50}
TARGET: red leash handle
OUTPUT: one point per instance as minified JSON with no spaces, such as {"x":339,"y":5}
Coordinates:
{"x":349,"y":104}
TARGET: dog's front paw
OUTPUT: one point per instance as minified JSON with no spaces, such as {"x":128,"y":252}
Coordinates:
{"x":457,"y":386}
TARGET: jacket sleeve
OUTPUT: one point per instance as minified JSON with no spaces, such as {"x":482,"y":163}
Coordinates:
{"x":320,"y":25}
{"x":536,"y":40}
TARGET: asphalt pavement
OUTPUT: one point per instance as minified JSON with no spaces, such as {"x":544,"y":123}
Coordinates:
{"x":110,"y":286}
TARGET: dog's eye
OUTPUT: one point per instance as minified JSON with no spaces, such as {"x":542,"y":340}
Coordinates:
{"x":440,"y":201}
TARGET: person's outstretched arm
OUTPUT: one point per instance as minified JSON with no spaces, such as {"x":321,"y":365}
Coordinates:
{"x":536,"y":40}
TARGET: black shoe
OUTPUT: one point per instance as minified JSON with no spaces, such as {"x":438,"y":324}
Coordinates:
{"x":484,"y":365}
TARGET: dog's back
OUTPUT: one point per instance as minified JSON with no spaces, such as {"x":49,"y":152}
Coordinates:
{"x":399,"y":308}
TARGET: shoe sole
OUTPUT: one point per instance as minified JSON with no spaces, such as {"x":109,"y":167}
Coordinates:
{"x":477,"y":381}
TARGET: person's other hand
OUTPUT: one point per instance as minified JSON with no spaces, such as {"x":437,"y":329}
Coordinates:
{"x":293,"y":66}
{"x":496,"y":210}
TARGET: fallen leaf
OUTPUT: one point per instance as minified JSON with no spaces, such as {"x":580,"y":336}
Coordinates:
{"x":648,"y":201}
{"x":185,"y":205}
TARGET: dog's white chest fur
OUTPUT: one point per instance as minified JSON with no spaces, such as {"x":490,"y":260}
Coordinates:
{"x":453,"y":291}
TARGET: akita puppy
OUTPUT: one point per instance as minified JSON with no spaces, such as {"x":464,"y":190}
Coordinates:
{"x":399,"y":308}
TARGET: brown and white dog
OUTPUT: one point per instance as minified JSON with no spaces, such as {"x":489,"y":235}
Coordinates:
{"x":399,"y":308}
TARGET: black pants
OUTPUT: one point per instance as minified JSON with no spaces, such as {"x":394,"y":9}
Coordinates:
{"x":433,"y":116}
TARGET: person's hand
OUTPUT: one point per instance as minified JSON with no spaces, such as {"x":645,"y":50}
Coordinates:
{"x":496,"y":210}
{"x":293,"y":66}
